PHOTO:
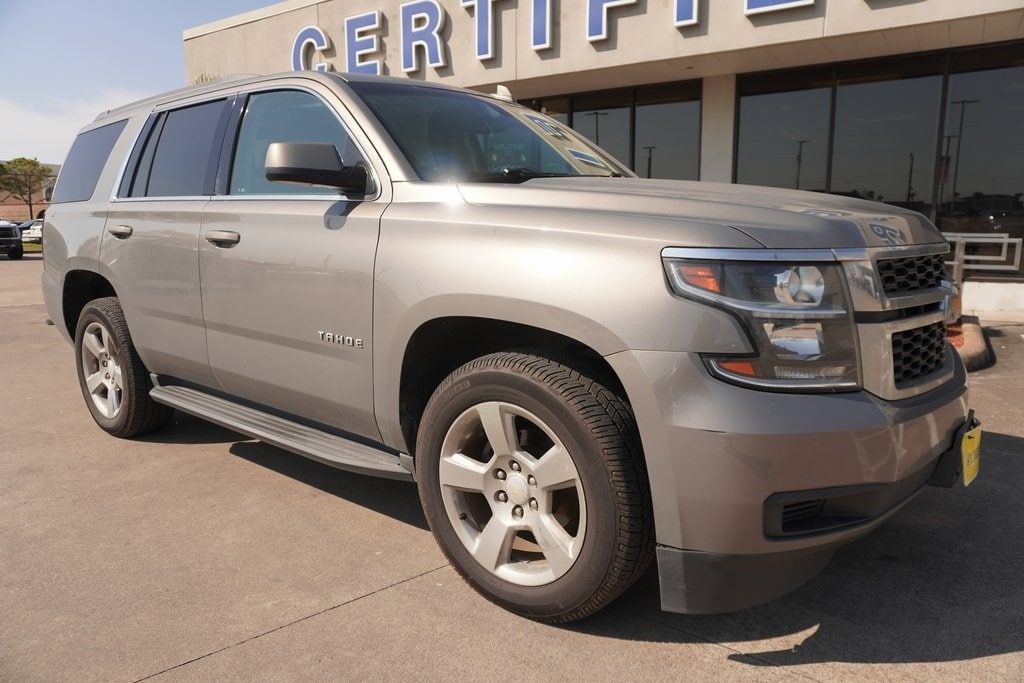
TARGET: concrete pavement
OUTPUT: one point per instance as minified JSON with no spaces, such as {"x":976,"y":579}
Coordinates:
{"x":197,"y":554}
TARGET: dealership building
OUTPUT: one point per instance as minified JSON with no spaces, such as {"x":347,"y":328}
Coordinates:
{"x":918,"y":103}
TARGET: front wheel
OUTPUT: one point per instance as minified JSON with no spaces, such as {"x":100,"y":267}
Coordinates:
{"x":533,"y":482}
{"x":16,"y":253}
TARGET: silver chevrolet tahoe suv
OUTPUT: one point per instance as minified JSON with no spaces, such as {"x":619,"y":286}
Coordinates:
{"x":583,"y":371}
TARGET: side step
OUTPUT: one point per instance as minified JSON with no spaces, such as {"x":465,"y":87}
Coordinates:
{"x":313,"y":443}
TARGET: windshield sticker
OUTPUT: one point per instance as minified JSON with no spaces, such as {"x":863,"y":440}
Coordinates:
{"x":548,"y":127}
{"x":586,"y":158}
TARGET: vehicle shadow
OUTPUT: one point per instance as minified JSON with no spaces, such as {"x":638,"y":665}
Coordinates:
{"x":396,"y":499}
{"x":941,"y":582}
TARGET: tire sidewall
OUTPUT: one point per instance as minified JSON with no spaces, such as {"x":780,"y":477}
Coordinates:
{"x":91,"y":314}
{"x":596,"y":557}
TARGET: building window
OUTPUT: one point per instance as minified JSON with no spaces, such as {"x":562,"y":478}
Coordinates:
{"x":667,"y":141}
{"x":783,"y":135}
{"x":655,"y":130}
{"x":875,"y":130}
{"x":605,"y":119}
{"x":884,"y":145}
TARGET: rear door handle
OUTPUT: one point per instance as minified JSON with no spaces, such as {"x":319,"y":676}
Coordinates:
{"x":223,"y":238}
{"x":121,"y":232}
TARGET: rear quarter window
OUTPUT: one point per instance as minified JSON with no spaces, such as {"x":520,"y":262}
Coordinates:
{"x":85,"y":162}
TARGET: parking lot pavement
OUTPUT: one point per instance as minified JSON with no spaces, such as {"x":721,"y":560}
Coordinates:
{"x":197,"y":554}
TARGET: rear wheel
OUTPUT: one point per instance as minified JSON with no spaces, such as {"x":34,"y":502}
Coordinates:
{"x":113,"y":379}
{"x":533,"y":482}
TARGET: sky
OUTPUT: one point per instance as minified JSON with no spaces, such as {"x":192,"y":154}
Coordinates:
{"x":62,"y":62}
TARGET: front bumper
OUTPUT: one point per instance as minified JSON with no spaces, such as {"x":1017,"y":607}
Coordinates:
{"x":10,"y":244}
{"x":722,"y":459}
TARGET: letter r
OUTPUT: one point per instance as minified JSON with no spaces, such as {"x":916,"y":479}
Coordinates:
{"x":420,"y":23}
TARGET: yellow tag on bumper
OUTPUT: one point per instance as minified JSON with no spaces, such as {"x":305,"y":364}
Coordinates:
{"x":970,"y":451}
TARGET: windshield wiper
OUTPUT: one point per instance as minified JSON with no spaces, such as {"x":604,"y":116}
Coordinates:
{"x":512,"y":174}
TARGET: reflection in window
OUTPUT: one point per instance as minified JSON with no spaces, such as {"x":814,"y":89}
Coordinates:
{"x":885,"y":140}
{"x":667,"y":134}
{"x":783,"y":139}
{"x":981,"y":180}
{"x":604,"y":119}
{"x":557,"y":108}
{"x":284,"y":116}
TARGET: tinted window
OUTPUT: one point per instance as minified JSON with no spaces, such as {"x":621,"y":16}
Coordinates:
{"x":783,"y":139}
{"x":885,"y":139}
{"x":182,"y":160}
{"x":284,"y":116}
{"x":667,"y":133}
{"x":85,"y":162}
{"x":605,"y":120}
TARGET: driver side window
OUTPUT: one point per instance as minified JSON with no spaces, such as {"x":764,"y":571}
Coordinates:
{"x":284,"y":116}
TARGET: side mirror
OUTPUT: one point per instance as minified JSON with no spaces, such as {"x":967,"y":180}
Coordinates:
{"x":313,"y":163}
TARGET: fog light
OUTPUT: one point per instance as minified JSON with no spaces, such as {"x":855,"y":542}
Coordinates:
{"x":800,"y":285}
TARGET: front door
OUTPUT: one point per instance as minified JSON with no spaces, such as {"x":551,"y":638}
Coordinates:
{"x":287,"y":273}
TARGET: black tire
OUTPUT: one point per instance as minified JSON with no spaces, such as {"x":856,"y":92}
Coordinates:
{"x":598,"y":429}
{"x":139,"y":414}
{"x":16,"y":254}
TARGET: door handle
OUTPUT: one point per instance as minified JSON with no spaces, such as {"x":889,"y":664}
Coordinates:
{"x":121,"y":232}
{"x":223,"y":238}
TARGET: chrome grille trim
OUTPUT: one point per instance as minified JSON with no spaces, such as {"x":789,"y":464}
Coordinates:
{"x":877,"y":357}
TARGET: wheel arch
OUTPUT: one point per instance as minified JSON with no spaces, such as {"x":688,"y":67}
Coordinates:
{"x":81,"y":286}
{"x":439,"y":345}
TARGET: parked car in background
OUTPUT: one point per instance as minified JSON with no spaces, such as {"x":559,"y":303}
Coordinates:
{"x":10,"y":240}
{"x":32,"y":231}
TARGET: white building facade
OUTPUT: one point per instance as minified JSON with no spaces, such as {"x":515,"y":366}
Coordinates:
{"x":918,"y":103}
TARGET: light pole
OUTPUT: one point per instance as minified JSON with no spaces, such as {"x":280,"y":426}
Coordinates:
{"x":959,"y":142}
{"x":597,"y":124}
{"x":799,"y":159}
{"x":910,"y":180}
{"x":945,"y":172}
{"x":650,"y":157}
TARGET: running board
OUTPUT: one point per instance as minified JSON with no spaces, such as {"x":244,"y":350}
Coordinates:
{"x":313,"y":443}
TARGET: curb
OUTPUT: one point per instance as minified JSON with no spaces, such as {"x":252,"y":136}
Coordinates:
{"x":969,"y":339}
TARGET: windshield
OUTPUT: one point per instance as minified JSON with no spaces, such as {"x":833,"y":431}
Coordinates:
{"x":447,"y":135}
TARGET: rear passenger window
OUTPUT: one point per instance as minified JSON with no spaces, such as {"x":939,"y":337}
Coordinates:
{"x":284,"y":116}
{"x":85,"y":162}
{"x":182,"y":163}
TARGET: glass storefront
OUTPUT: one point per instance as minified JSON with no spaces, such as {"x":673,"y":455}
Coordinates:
{"x":654,"y":130}
{"x":882,"y":130}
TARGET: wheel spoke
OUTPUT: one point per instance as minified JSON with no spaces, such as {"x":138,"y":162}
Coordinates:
{"x":94,"y":381}
{"x":558,"y":546}
{"x":93,"y":343}
{"x":461,"y":472}
{"x":112,"y":402}
{"x":105,"y":339}
{"x":118,"y":377}
{"x":499,"y":428}
{"x":554,"y":469}
{"x":494,"y":544}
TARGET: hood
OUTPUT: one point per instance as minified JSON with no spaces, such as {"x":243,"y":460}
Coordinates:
{"x":778,"y":219}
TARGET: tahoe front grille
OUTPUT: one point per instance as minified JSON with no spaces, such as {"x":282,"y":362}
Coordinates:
{"x":906,"y":275}
{"x":916,"y":353}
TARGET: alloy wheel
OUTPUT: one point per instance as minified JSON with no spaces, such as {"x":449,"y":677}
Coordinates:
{"x":512,"y":493}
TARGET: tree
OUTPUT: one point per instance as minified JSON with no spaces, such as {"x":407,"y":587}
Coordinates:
{"x":22,"y":179}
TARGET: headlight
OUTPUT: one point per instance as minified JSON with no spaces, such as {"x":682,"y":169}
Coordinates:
{"x":796,"y":314}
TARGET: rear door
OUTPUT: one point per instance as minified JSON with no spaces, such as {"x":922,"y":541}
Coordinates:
{"x":287,"y":270}
{"x":151,"y":241}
